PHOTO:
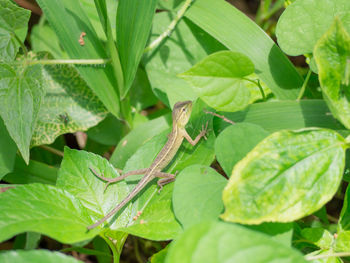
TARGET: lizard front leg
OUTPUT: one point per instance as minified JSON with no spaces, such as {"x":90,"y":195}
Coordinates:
{"x":201,"y":134}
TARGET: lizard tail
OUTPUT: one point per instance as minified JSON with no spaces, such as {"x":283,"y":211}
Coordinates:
{"x":143,"y":182}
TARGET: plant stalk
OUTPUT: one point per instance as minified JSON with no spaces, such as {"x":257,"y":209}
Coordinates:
{"x":171,"y":26}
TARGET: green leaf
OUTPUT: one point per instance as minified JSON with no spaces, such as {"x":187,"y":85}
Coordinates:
{"x":318,"y":236}
{"x":76,"y":177}
{"x":160,"y":256}
{"x":223,"y":80}
{"x":43,"y":209}
{"x":287,"y":176}
{"x":68,"y":106}
{"x":187,"y":45}
{"x":344,"y":219}
{"x":134,"y":22}
{"x":198,"y":189}
{"x":13,"y":23}
{"x":235,"y":142}
{"x":136,"y":138}
{"x":216,"y":17}
{"x":8,"y":151}
{"x":35,"y":256}
{"x":342,"y":242}
{"x":332,"y":54}
{"x":107,"y":132}
{"x":277,"y":115}
{"x":43,"y":38}
{"x":304,"y":22}
{"x":69,"y":20}
{"x":218,"y":242}
{"x":34,"y":172}
{"x":21,"y":94}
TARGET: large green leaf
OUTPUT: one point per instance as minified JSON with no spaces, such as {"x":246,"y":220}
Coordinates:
{"x":35,"y":256}
{"x":224,"y":81}
{"x":198,"y":189}
{"x":13,"y":23}
{"x":218,"y":242}
{"x":235,"y":142}
{"x":68,"y":106}
{"x":21,"y":94}
{"x":69,"y":20}
{"x":288,"y":175}
{"x":134,"y":21}
{"x":187,"y":45}
{"x":76,"y":177}
{"x":217,"y":17}
{"x":332,"y":54}
{"x":44,"y":209}
{"x":7,"y":151}
{"x":304,"y":22}
{"x":278,"y":115}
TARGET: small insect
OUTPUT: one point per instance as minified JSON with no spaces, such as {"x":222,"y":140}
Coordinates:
{"x":81,"y":38}
{"x":64,"y":118}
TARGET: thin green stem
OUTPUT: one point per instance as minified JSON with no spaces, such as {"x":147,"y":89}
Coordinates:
{"x":69,"y":61}
{"x":25,"y":51}
{"x":171,"y":26}
{"x":303,"y":88}
{"x":52,"y":150}
{"x":339,"y":254}
{"x":115,"y":252}
{"x":259,"y":86}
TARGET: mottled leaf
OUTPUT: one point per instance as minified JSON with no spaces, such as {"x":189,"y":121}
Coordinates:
{"x":68,"y":106}
{"x":288,"y":175}
{"x":332,"y":55}
{"x":304,"y":22}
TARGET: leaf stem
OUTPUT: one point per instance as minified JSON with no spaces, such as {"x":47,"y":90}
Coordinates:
{"x":303,"y":88}
{"x":116,"y":254}
{"x":25,"y":51}
{"x":52,"y":150}
{"x":257,"y":82}
{"x":98,"y":61}
{"x":339,"y":254}
{"x":171,"y":26}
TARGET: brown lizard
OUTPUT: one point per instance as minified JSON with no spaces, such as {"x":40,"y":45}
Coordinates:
{"x":181,"y":115}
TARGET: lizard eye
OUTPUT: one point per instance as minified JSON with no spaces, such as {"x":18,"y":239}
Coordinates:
{"x":183,"y":109}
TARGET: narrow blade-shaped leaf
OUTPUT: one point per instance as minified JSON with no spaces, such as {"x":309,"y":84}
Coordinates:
{"x":134,"y":21}
{"x":69,"y":20}
{"x":332,"y":55}
{"x":288,"y":175}
{"x":217,"y":18}
{"x":21,"y":94}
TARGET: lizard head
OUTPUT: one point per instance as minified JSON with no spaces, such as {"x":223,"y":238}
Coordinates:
{"x":182,"y":113}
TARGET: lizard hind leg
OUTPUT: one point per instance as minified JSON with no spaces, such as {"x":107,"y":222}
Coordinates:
{"x":119,"y":178}
{"x":166,"y":178}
